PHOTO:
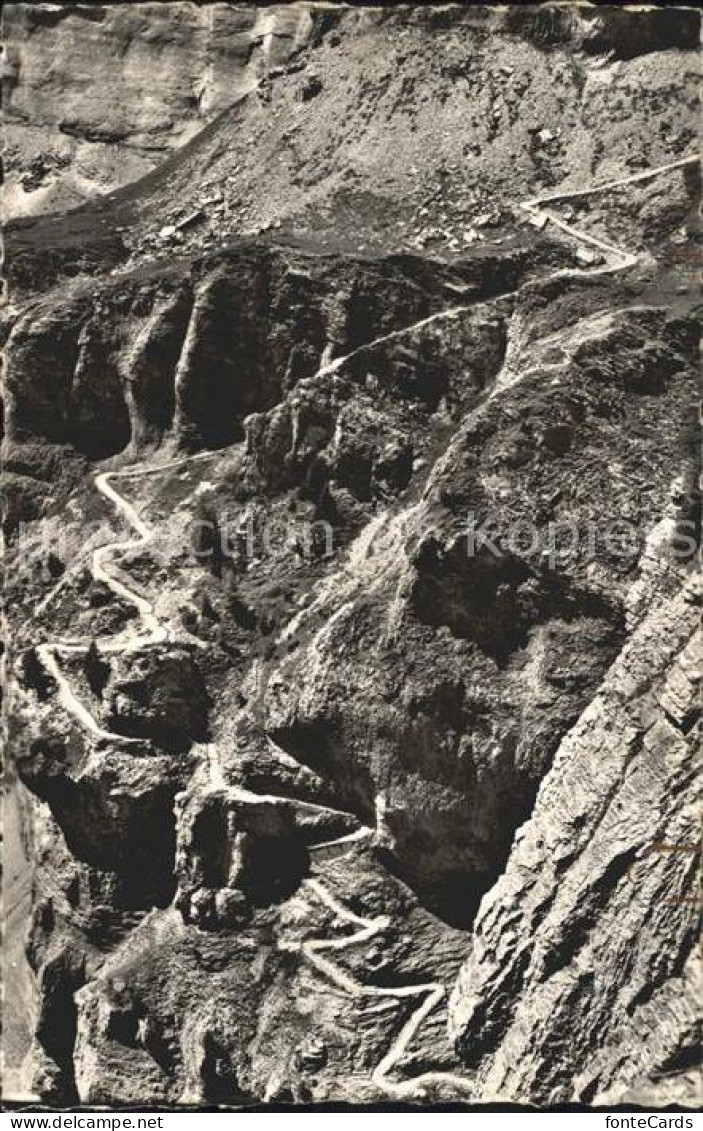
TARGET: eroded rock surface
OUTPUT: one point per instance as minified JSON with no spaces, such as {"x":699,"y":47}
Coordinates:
{"x":96,"y":94}
{"x":601,"y":878}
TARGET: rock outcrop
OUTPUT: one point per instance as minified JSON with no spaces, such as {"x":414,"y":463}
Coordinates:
{"x":95,"y":95}
{"x":601,"y":878}
{"x":189,"y":356}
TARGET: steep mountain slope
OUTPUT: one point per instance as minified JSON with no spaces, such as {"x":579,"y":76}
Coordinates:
{"x":370,"y":144}
{"x":351,"y":469}
{"x":95,"y":95}
{"x":601,"y":875}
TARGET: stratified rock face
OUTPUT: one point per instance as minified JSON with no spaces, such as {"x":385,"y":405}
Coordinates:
{"x":582,"y":982}
{"x":189,"y":356}
{"x":94,"y":95}
{"x":352,"y":501}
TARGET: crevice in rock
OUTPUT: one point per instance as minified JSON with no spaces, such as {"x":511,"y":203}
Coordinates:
{"x":218,"y":1075}
{"x":454,"y":899}
{"x":272,"y":870}
{"x":57,"y":1024}
{"x":496,"y":599}
{"x":135,"y":840}
{"x":314,"y":746}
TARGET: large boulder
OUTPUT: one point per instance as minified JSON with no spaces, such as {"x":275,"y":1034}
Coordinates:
{"x":158,"y":694}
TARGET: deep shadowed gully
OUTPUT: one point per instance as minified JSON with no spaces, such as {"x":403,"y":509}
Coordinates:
{"x":367,"y":812}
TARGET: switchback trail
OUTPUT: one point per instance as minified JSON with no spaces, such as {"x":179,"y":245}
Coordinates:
{"x":155,"y":632}
{"x":315,"y":950}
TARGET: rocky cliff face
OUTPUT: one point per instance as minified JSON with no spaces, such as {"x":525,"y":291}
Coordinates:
{"x":352,"y":506}
{"x":95,"y":95}
{"x":601,"y":877}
